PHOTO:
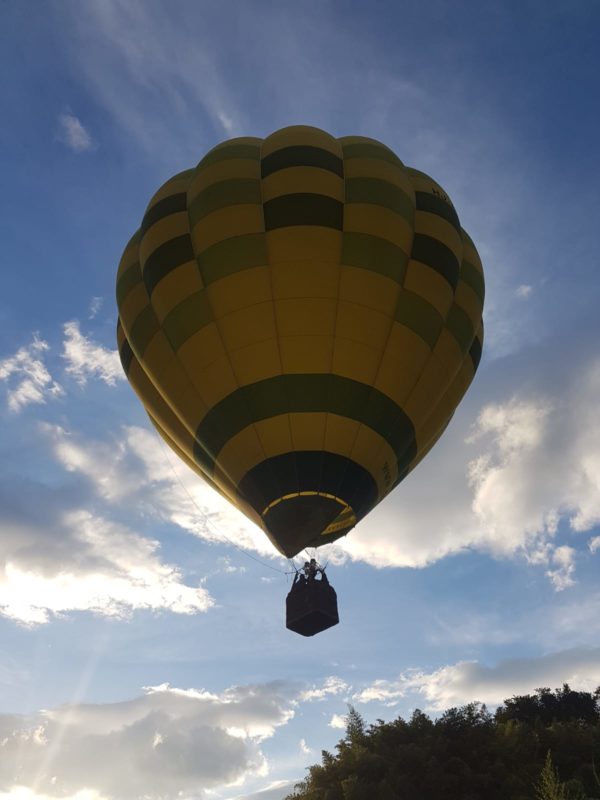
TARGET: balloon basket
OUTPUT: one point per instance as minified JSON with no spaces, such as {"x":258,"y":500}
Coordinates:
{"x":311,"y":607}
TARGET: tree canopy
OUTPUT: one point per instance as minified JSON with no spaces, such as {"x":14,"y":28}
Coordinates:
{"x":544,"y":746}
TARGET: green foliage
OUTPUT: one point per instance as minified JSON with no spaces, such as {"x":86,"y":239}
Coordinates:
{"x":549,"y":787}
{"x":535,"y":747}
{"x":355,"y":727}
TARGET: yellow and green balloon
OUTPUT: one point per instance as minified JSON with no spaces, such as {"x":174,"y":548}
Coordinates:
{"x":300,"y":316}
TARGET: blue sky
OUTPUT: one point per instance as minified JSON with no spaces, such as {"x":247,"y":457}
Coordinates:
{"x":142,"y":654}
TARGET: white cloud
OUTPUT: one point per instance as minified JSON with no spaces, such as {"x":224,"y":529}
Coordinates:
{"x":304,"y":748}
{"x":382,"y":691}
{"x":276,"y":790}
{"x":563,"y":558}
{"x":337,"y":721}
{"x":514,"y":494}
{"x":86,"y":359}
{"x":31,"y":381}
{"x":76,"y":561}
{"x":523,"y":291}
{"x":529,"y":468}
{"x":108,"y":465}
{"x":95,"y":306}
{"x":466,"y":681}
{"x":73,"y":134}
{"x":20,"y":792}
{"x":330,"y":686}
{"x":166,"y":743}
{"x":139,"y":466}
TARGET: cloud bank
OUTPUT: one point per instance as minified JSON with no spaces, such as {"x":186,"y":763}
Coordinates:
{"x":467,"y":681}
{"x":54,"y":560}
{"x":166,"y":743}
{"x":529,"y":468}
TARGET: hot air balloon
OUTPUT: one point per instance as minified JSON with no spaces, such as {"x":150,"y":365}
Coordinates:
{"x":300,"y":315}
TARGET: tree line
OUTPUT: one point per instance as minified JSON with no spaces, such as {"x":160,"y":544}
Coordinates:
{"x":543,"y":746}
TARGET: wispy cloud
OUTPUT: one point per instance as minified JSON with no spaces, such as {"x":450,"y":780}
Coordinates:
{"x":523,"y":291}
{"x":140,"y":57}
{"x":166,"y":743}
{"x":304,"y":748}
{"x":331,"y":686}
{"x":73,"y":134}
{"x":86,"y":359}
{"x":467,"y":681}
{"x":95,"y":306}
{"x":138,"y":465}
{"x":31,"y":381}
{"x":276,"y":790}
{"x":563,"y":561}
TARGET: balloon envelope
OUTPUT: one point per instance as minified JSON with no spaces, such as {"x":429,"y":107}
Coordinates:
{"x":300,"y":317}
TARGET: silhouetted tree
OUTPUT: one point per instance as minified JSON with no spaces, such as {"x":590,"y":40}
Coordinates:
{"x":548,"y":786}
{"x":468,"y":753}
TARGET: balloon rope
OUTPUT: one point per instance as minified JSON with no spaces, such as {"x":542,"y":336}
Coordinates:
{"x":209,"y":522}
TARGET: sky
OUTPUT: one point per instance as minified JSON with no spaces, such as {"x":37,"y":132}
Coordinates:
{"x":142,"y":653}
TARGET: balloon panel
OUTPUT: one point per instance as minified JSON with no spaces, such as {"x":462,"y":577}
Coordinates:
{"x":300,"y":317}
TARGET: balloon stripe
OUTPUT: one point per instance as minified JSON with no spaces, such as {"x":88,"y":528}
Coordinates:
{"x":437,"y":256}
{"x":468,"y":302}
{"x":420,"y":316}
{"x":313,"y":430}
{"x":301,"y":156}
{"x":187,"y":318}
{"x":380,"y":193}
{"x":236,"y":191}
{"x":232,"y":255}
{"x":303,"y":209}
{"x":126,"y":355}
{"x":459,"y":325}
{"x":143,"y":330}
{"x":374,"y":253}
{"x":165,"y":259}
{"x":370,"y":150}
{"x":302,"y":180}
{"x":473,"y":278}
{"x":312,"y":471}
{"x":289,"y":393}
{"x":172,"y":204}
{"x":128,"y":280}
{"x":475,"y":352}
{"x":433,"y":204}
{"x":226,"y":151}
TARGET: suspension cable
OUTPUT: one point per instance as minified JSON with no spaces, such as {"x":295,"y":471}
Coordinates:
{"x":206,"y":519}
